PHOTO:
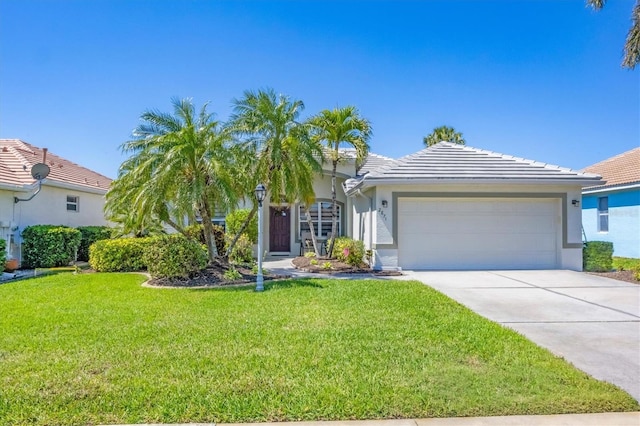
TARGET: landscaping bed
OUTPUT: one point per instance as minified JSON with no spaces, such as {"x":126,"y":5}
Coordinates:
{"x":325,"y":265}
{"x":628,"y":276}
{"x":214,"y":276}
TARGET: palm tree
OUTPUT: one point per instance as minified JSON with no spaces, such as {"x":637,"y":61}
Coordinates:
{"x":284,"y":157}
{"x":632,"y":44}
{"x":335,"y":127}
{"x":443,"y":134}
{"x":180,"y":164}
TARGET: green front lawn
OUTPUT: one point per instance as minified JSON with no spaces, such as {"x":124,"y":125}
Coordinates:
{"x":99,"y":348}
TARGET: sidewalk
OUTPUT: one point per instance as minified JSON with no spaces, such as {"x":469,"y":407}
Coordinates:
{"x":600,"y":419}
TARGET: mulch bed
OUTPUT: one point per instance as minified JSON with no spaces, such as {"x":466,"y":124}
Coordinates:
{"x":304,"y":264}
{"x":618,"y":275}
{"x":213,"y":276}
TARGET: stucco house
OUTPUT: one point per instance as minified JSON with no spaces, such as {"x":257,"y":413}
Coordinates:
{"x":448,"y":207}
{"x":70,"y":195}
{"x":611,"y":210}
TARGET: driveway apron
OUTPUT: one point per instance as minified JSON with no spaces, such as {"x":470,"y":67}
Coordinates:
{"x":590,"y":321}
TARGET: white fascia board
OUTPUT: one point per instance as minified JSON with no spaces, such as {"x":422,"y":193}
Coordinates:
{"x":611,"y":188}
{"x":368,"y":183}
{"x":16,"y":188}
{"x":79,"y":188}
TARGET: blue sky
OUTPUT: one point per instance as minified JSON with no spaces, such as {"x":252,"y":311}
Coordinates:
{"x":535,"y":79}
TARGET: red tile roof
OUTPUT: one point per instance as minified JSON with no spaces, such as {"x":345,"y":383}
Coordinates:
{"x":17,"y":158}
{"x":623,"y":169}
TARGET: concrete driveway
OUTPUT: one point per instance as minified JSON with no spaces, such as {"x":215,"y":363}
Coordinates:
{"x":591,"y":321}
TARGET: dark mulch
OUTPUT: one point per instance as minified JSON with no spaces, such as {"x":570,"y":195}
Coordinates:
{"x":618,"y":275}
{"x":304,"y":264}
{"x":213,"y":276}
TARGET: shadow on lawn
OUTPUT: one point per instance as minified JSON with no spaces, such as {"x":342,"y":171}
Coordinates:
{"x":268,"y":285}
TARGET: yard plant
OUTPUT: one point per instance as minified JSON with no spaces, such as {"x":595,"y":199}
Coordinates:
{"x":100,"y":348}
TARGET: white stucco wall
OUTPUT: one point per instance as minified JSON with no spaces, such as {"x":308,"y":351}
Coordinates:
{"x":48,"y":207}
{"x":386,"y":257}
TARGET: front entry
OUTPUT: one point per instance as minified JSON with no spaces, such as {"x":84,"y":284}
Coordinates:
{"x":279,"y":229}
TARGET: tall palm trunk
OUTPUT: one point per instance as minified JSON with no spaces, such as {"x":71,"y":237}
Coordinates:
{"x":208,"y":231}
{"x":334,"y":207}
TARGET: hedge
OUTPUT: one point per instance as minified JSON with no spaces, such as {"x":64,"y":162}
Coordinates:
{"x":174,"y":256}
{"x":597,"y":256}
{"x":119,"y":255}
{"x":47,"y":246}
{"x":91,"y":234}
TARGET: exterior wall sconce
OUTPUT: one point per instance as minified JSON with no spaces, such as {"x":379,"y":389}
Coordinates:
{"x":575,"y":203}
{"x":385,"y":203}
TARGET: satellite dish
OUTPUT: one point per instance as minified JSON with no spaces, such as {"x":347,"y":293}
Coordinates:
{"x":40,"y":171}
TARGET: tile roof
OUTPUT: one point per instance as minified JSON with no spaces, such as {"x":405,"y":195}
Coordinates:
{"x":622,"y":169}
{"x":374,"y":162}
{"x":448,"y":163}
{"x":17,"y":158}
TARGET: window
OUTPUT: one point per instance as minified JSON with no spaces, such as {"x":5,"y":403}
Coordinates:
{"x":321,"y":222}
{"x":73,"y":203}
{"x":603,"y":214}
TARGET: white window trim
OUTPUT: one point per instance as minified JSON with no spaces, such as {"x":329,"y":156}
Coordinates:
{"x":317,"y":224}
{"x":601,"y":214}
{"x":75,"y":203}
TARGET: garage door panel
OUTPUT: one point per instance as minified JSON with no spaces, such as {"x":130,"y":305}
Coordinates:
{"x":477,"y":233}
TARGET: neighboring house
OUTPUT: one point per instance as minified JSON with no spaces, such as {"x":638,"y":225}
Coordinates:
{"x":448,"y":207}
{"x":71,"y":195}
{"x":611,"y":211}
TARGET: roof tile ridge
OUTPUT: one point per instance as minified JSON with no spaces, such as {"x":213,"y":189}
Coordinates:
{"x":530,"y":162}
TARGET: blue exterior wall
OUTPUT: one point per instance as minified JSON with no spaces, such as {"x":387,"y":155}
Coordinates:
{"x":624,"y":221}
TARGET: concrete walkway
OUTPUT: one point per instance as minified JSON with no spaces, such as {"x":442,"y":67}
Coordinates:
{"x":591,"y":321}
{"x":604,"y":419}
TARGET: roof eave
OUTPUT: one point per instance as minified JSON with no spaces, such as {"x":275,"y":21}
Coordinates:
{"x":368,"y":182}
{"x":75,"y":187}
{"x":609,"y":188}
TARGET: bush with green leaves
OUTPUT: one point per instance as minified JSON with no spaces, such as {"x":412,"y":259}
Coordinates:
{"x":47,"y":246}
{"x":89,"y":235}
{"x":232,"y":274}
{"x":3,"y":253}
{"x":174,"y":256}
{"x":236,"y":219}
{"x":349,"y":251}
{"x":242,"y":252}
{"x":597,"y":256}
{"x":119,"y":255}
{"x":625,"y":263}
{"x":197,"y":233}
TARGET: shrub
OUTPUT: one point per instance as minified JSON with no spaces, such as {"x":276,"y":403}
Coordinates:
{"x":243,"y":251}
{"x":310,"y":254}
{"x":327,"y":265}
{"x":597,"y":256}
{"x":349,"y":251}
{"x":174,"y":256}
{"x":3,"y":253}
{"x":236,"y":219}
{"x":197,"y":233}
{"x":46,"y":246}
{"x":119,"y":255}
{"x":232,"y":274}
{"x":89,"y":235}
{"x":625,"y":263}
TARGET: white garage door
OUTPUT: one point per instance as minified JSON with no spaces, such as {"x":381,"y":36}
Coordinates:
{"x":477,"y":233}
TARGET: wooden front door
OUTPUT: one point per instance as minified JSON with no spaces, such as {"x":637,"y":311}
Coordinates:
{"x":279,"y":229}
